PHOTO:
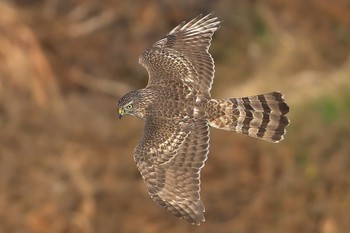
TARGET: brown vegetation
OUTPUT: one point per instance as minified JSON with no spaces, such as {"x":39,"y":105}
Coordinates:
{"x":66,"y":161}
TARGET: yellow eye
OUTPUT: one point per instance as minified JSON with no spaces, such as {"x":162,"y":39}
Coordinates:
{"x":129,"y":106}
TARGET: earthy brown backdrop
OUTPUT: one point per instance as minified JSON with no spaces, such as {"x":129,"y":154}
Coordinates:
{"x":66,"y":161}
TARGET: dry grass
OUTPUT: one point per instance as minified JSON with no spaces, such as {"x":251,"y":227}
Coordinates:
{"x":66,"y":162}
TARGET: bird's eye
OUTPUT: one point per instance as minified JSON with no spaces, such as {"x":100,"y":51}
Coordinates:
{"x":129,"y":106}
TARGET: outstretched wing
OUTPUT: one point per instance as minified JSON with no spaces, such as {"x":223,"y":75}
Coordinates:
{"x":183,"y":54}
{"x":170,"y":164}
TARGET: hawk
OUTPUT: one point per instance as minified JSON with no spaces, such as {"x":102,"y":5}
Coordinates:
{"x":178,"y":110}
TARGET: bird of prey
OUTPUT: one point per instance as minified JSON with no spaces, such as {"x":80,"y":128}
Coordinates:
{"x":178,"y":110}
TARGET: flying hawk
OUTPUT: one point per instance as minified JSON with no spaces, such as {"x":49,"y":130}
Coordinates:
{"x":178,"y":110}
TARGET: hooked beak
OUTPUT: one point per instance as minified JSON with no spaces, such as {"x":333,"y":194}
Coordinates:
{"x":120,"y":113}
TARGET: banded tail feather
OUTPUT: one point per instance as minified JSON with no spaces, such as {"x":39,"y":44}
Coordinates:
{"x":261,"y":116}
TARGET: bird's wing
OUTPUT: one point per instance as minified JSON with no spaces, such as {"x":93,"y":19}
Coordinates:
{"x":170,"y":161}
{"x":183,"y":54}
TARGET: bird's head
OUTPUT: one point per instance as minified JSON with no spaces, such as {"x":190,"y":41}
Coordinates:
{"x":130,"y":104}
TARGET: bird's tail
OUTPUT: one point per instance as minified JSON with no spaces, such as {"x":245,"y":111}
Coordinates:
{"x":261,"y":116}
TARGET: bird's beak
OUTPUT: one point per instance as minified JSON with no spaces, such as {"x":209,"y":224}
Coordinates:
{"x":120,"y":113}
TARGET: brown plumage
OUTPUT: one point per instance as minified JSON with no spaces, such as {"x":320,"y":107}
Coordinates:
{"x":178,"y":109}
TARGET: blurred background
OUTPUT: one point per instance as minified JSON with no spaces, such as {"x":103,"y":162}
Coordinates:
{"x":66,"y":161}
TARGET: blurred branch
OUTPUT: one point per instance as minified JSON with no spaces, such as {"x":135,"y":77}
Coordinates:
{"x":74,"y":163}
{"x":102,"y":85}
{"x":92,"y":24}
{"x":82,"y":11}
